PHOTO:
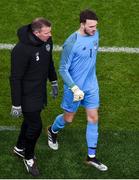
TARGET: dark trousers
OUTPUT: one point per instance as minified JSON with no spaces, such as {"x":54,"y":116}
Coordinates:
{"x":30,"y":131}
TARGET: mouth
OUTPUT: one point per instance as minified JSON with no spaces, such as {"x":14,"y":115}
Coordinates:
{"x":93,"y":32}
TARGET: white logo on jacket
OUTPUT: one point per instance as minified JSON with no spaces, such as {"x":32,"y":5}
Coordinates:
{"x":47,"y":47}
{"x":37,"y":56}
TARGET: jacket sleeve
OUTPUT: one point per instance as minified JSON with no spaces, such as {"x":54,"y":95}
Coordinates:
{"x":19,"y":63}
{"x":51,"y":71}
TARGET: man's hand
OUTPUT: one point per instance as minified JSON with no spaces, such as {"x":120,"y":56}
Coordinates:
{"x":16,"y":111}
{"x":54,"y":89}
{"x":78,"y":94}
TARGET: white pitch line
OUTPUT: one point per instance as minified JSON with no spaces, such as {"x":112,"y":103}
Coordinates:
{"x":8,"y":128}
{"x":119,"y":49}
{"x":101,"y":49}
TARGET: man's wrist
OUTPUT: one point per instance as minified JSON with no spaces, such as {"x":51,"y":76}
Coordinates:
{"x":74,"y":88}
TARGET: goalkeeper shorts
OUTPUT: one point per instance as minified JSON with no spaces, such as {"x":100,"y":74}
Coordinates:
{"x":90,"y":101}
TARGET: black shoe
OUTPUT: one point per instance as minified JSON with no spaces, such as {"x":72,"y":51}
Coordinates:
{"x":96,"y":163}
{"x":19,"y":152}
{"x":52,"y":139}
{"x":31,"y":167}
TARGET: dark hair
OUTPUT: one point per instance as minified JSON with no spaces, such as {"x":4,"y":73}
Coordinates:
{"x":39,"y":22}
{"x":87,"y":14}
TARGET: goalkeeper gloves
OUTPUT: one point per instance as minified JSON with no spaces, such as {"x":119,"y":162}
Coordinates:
{"x":54,"y":85}
{"x":16,"y":111}
{"x":78,"y":94}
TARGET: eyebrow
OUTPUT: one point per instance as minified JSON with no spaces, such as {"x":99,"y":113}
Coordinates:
{"x":47,"y":32}
{"x":93,"y":26}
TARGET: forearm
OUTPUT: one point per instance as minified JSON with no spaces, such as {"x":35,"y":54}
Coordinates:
{"x":66,"y":77}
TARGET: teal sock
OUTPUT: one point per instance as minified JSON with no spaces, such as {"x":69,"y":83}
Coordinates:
{"x":92,"y":138}
{"x":58,"y":124}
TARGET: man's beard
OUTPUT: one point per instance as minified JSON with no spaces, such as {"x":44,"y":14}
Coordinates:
{"x":87,"y":32}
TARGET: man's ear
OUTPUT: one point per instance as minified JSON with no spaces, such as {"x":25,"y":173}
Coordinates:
{"x":36,"y":33}
{"x":82,"y":25}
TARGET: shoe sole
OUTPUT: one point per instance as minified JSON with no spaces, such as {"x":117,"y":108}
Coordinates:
{"x":97,"y":167}
{"x":51,"y":146}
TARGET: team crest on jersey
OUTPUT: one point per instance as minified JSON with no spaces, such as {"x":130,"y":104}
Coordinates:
{"x":84,"y":48}
{"x":47,"y":47}
{"x":37,"y":56}
{"x":95,"y":45}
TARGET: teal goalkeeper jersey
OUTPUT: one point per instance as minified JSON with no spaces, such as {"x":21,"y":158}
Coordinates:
{"x":78,"y":61}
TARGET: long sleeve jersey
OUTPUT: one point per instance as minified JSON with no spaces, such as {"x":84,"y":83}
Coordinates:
{"x":78,"y":61}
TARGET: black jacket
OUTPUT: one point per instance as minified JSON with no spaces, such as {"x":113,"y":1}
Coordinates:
{"x":31,"y":66}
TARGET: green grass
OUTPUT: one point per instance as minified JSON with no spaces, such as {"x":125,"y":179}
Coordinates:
{"x":118,"y":19}
{"x":118,"y":77}
{"x":118,"y":149}
{"x":118,"y":141}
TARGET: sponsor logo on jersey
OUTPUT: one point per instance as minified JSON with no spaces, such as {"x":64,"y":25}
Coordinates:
{"x":84,"y":48}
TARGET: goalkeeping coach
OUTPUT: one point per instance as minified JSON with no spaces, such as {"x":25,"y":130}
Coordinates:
{"x":31,"y":65}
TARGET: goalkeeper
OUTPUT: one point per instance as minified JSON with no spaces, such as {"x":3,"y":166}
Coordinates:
{"x":78,"y":71}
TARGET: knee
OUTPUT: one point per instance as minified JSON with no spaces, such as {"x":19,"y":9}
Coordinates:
{"x":68,"y":120}
{"x":34,"y":130}
{"x":68,"y":117}
{"x":93,"y":118}
{"x":37,"y":126}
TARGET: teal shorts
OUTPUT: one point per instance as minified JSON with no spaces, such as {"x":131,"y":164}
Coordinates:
{"x":90,"y":101}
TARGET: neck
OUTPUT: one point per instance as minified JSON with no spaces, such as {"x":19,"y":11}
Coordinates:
{"x":81,"y":31}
